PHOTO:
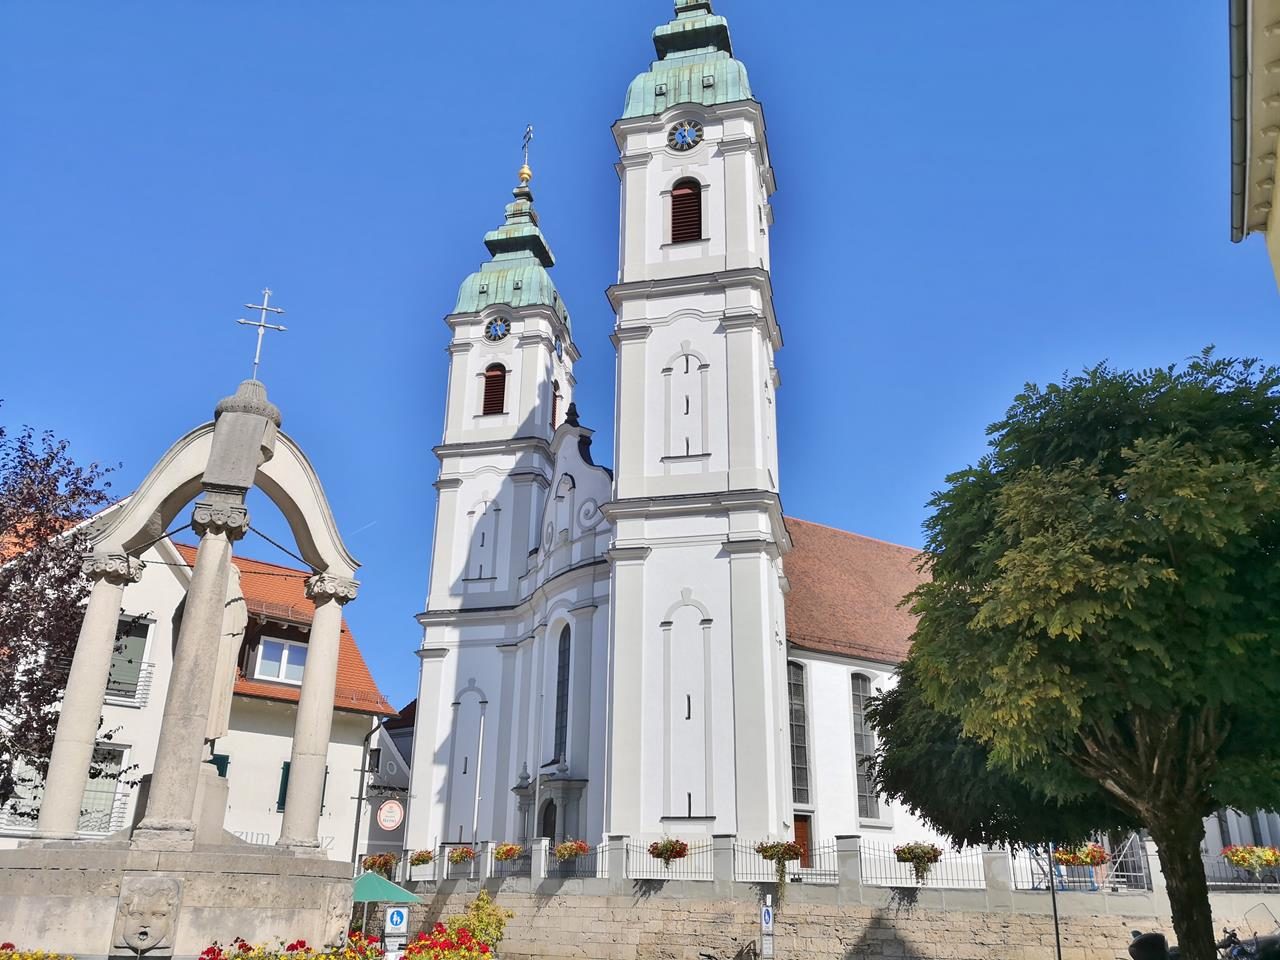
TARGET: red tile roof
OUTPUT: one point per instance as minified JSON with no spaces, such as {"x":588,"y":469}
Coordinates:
{"x":279,"y":592}
{"x":845,"y":591}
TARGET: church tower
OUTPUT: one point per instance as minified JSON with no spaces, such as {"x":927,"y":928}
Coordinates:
{"x":510,"y":382}
{"x":699,"y":737}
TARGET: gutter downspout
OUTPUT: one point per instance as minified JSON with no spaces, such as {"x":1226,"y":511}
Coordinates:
{"x":1239,"y":57}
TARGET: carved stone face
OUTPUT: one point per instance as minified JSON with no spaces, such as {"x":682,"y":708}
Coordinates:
{"x":147,"y":913}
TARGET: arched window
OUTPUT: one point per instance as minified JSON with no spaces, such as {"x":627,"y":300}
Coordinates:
{"x":555,"y":402}
{"x":686,"y":211}
{"x":799,"y":734}
{"x":864,"y":745}
{"x":495,"y":389}
{"x":562,"y":695}
{"x":548,"y":826}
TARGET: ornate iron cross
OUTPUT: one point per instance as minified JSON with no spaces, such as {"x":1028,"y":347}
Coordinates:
{"x":263,"y":309}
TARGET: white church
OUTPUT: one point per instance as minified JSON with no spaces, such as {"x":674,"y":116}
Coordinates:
{"x":654,"y":649}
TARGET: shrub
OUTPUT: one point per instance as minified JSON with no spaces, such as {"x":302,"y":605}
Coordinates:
{"x":485,"y":919}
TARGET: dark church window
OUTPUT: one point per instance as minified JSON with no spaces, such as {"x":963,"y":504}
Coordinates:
{"x":555,"y":402}
{"x":686,"y":211}
{"x":495,"y":389}
{"x":562,"y":695}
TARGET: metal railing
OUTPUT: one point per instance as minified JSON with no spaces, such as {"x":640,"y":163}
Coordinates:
{"x":1224,"y":876}
{"x":698,"y":864}
{"x":593,"y":864}
{"x":1033,"y":868}
{"x":103,"y":810}
{"x":956,"y":870}
{"x":520,"y":866}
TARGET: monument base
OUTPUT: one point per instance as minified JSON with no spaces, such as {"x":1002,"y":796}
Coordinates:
{"x":105,"y":899}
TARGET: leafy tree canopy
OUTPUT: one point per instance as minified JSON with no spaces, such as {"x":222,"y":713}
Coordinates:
{"x":44,"y":494}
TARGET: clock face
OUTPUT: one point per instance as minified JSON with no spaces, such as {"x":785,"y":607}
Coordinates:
{"x":559,"y":349}
{"x":685,"y":135}
{"x":496,"y":330}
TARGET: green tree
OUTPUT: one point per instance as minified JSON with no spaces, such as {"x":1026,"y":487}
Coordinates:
{"x":1100,"y":624}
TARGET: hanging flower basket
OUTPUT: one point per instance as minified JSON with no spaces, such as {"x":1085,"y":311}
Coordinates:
{"x":420,"y":858}
{"x":1088,"y":855}
{"x":667,"y":850}
{"x":461,"y":854}
{"x":571,"y":850}
{"x":921,"y":856}
{"x":1255,"y":859}
{"x":780,"y":853}
{"x":383,"y":863}
{"x":508,"y":851}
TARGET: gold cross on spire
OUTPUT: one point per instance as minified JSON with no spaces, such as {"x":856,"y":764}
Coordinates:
{"x":261,"y":323}
{"x":526,"y":174}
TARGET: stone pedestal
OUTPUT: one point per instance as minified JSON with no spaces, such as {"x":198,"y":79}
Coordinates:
{"x":105,"y":899}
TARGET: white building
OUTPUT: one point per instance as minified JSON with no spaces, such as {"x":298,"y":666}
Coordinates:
{"x":257,"y":747}
{"x":618,"y":653}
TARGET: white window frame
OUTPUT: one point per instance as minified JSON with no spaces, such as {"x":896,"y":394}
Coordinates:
{"x":875,"y":682}
{"x":116,"y":699}
{"x":257,"y":660}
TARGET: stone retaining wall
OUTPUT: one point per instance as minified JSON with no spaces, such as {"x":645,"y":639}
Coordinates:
{"x":648,"y":925}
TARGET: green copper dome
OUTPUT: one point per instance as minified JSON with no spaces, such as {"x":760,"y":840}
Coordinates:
{"x":695,"y":64}
{"x":517,"y":275}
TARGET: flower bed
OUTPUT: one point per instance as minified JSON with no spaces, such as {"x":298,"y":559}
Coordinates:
{"x":507,"y":851}
{"x":461,"y":854}
{"x":444,"y":944}
{"x":358,"y":947}
{"x":383,"y":863}
{"x":10,"y":952}
{"x":921,"y":856}
{"x":1255,"y":859}
{"x":570,"y":850}
{"x":668,"y":849}
{"x":1089,"y":855}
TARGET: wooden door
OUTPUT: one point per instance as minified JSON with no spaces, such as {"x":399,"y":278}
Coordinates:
{"x":803,"y":837}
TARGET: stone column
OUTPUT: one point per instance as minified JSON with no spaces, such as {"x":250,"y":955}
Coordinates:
{"x":616,"y":858}
{"x":849,"y":866}
{"x":86,"y":687}
{"x":311,"y":729}
{"x":722,"y":872}
{"x":171,"y":805}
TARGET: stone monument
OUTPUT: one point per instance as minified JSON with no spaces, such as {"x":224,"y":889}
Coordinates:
{"x":177,"y":880}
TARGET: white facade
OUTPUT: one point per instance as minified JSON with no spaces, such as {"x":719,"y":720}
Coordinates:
{"x":252,"y":756}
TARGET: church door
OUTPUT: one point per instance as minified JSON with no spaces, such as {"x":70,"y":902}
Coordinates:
{"x":548,"y":820}
{"x":803,"y":837}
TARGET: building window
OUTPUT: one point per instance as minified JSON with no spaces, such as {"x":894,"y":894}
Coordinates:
{"x":102,"y":805}
{"x":495,"y":389}
{"x":555,"y":403}
{"x":125,"y":681}
{"x":562,"y":695}
{"x":281,"y":660}
{"x":283,"y":793}
{"x":799,"y":734}
{"x":221,"y":762}
{"x":686,"y":211}
{"x":864,"y":745}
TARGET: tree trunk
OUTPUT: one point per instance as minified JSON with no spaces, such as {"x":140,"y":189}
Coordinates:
{"x":1178,"y":840}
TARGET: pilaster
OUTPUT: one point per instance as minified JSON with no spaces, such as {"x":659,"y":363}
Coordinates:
{"x":421,"y":830}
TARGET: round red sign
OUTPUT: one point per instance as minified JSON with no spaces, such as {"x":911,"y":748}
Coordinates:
{"x":390,"y":814}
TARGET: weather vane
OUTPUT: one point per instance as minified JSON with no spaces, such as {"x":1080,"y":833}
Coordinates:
{"x":261,"y":323}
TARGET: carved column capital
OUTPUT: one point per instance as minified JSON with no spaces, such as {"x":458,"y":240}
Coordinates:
{"x":117,"y":568}
{"x":324,"y":587}
{"x":231,"y":519}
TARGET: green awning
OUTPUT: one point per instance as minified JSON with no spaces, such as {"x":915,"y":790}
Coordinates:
{"x":373,"y":887}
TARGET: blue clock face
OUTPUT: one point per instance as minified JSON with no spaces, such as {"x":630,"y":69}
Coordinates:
{"x":685,"y":135}
{"x":496,"y":330}
{"x":559,"y":349}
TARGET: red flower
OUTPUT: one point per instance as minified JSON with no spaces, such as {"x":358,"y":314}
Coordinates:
{"x":7,"y":946}
{"x":244,"y":947}
{"x":484,"y":948}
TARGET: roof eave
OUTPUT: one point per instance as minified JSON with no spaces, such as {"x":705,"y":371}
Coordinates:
{"x":1239,"y":66}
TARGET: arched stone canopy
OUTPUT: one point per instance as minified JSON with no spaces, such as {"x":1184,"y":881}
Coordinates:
{"x":288,"y":479}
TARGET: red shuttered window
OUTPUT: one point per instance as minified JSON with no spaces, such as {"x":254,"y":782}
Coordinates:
{"x":495,"y":388}
{"x":686,"y":211}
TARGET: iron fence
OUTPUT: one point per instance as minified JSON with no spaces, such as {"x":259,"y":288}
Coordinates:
{"x":818,"y":865}
{"x":592,"y":864}
{"x":697,"y":864}
{"x":1224,"y":876}
{"x":1033,"y":868}
{"x":464,"y":870}
{"x":750,"y":867}
{"x":516,"y":867}
{"x":955,"y":870}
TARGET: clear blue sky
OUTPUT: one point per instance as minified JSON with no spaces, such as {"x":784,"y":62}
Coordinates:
{"x":971,"y":195}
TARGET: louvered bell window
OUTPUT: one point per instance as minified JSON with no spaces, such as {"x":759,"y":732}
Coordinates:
{"x":686,"y":212}
{"x":555,"y":404}
{"x":495,"y":389}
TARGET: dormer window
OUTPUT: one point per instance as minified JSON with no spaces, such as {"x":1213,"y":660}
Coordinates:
{"x":686,"y":212}
{"x":280,"y":660}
